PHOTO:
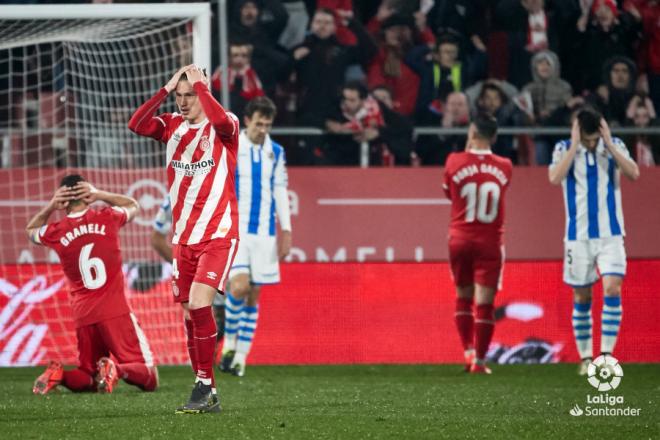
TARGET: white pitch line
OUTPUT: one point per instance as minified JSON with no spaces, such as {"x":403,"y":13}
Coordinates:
{"x":383,"y":202}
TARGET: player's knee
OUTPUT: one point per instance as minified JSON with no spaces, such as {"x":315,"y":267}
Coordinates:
{"x":239,"y":290}
{"x":612,"y":290}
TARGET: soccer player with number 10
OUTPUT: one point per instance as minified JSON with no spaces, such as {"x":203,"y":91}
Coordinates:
{"x":476,"y":180}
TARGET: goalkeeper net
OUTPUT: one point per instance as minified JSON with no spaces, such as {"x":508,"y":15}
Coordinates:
{"x":69,"y":82}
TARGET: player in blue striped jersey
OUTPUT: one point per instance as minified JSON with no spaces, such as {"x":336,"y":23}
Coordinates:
{"x":588,"y":168}
{"x":261,"y":182}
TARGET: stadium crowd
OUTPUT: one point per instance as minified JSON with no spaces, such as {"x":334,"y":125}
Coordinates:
{"x":371,"y":70}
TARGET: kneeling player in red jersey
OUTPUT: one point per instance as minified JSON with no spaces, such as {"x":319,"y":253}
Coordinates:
{"x":87,"y":242}
{"x":476,"y":181}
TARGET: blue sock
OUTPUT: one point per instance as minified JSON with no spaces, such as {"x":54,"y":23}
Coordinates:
{"x":247,"y":328}
{"x":233,"y":310}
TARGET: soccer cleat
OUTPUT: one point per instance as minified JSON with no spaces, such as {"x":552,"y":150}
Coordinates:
{"x":202,"y":400}
{"x":479,"y":369}
{"x":107,"y":376}
{"x":469,"y":359}
{"x":584,"y":366}
{"x":225,"y":362}
{"x":238,"y":369}
{"x":49,"y":379}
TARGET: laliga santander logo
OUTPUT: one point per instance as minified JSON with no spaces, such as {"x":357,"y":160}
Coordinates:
{"x":604,"y":373}
{"x":26,"y":338}
{"x":150,"y":194}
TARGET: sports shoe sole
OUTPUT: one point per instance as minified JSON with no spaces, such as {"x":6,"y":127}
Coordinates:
{"x":213,"y":409}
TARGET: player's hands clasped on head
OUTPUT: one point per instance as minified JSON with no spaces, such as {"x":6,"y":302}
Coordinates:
{"x":195,"y":74}
{"x":605,"y":132}
{"x":86,"y":192}
{"x":575,"y":133}
{"x":62,"y":197}
{"x":171,"y":84}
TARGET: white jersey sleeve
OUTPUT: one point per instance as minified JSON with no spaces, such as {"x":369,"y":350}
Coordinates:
{"x":281,"y":195}
{"x":163,"y":220}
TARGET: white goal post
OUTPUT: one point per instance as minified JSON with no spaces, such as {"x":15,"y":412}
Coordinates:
{"x":70,"y":78}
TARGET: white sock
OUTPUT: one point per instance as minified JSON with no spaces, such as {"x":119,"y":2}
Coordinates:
{"x":247,"y":328}
{"x":611,"y":322}
{"x":204,"y":381}
{"x":582,"y":324}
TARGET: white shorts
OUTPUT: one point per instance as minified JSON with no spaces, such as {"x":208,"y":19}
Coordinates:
{"x":257,"y":256}
{"x":584,"y":259}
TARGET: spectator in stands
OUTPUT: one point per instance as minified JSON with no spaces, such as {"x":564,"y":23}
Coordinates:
{"x":244,"y":83}
{"x":321,"y":63}
{"x":388,"y":67}
{"x":645,"y":149}
{"x":441,"y":72}
{"x":260,"y":24}
{"x":610,"y":32}
{"x":532,"y":28}
{"x":356,"y":119}
{"x":611,"y":99}
{"x":494,"y":102}
{"x":548,"y":92}
{"x":396,"y":133}
{"x":434,"y":149}
{"x":651,"y":24}
{"x":467,"y":21}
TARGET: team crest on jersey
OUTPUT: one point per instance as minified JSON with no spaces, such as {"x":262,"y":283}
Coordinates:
{"x":204,"y":143}
{"x":271,"y":155}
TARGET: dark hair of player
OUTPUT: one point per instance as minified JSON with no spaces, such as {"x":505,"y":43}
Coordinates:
{"x":589,"y":120}
{"x":486,"y":126}
{"x":262,"y":105}
{"x":358,"y":87}
{"x":326,"y":11}
{"x":70,"y":181}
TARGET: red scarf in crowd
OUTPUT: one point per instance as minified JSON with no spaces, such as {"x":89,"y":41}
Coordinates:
{"x":368,"y":116}
{"x":251,"y":84}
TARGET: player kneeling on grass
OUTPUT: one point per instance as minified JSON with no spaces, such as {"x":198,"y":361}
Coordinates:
{"x":87,"y":242}
{"x":476,"y":181}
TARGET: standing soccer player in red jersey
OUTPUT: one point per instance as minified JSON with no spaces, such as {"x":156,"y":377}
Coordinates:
{"x":476,"y":181}
{"x":87,"y":242}
{"x":202,"y":142}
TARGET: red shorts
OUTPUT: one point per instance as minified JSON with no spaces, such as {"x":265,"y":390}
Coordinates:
{"x":476,"y":262}
{"x":207,"y":263}
{"x":120,"y":336}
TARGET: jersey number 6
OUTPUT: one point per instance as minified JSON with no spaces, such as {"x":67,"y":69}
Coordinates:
{"x":481,"y":203}
{"x":92,"y":269}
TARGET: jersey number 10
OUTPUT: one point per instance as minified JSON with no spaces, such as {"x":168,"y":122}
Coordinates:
{"x":92,"y":269}
{"x":482,"y":202}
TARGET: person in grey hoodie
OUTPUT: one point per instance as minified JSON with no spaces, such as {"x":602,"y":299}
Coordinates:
{"x":548,"y":92}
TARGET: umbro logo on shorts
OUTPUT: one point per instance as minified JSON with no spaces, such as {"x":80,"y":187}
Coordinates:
{"x":212,"y":275}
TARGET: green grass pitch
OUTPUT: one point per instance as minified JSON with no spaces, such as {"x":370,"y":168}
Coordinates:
{"x":340,"y":402}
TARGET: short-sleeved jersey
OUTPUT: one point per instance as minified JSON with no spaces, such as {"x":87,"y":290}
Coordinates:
{"x":476,"y":183}
{"x":592,"y":191}
{"x":200,"y":173}
{"x":163,"y":220}
{"x":88,"y":246}
{"x":261,"y":168}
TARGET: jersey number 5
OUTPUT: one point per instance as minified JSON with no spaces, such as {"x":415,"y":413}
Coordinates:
{"x":482,"y":202}
{"x":92,"y":269}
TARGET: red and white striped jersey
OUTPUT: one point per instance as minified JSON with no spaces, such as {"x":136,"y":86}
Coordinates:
{"x":201,"y":167}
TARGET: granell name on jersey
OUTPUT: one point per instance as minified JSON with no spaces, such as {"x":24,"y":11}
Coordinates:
{"x":193,"y":169}
{"x":78,"y":231}
{"x":472,"y":169}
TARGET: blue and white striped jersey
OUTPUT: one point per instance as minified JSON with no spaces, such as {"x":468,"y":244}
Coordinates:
{"x":592,"y":192}
{"x":163,"y":220}
{"x":261,"y":187}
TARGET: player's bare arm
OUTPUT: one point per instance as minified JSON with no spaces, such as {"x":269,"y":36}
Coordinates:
{"x":557,"y":173}
{"x":627,"y":166}
{"x":284,"y":245}
{"x":161,"y":245}
{"x":60,"y":201}
{"x":86,"y":192}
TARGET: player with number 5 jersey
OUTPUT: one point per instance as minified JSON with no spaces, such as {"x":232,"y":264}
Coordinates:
{"x":87,"y":243}
{"x":476,"y":181}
